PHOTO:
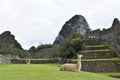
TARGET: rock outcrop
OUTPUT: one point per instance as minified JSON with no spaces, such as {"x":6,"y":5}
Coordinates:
{"x":76,"y":24}
{"x":8,"y":44}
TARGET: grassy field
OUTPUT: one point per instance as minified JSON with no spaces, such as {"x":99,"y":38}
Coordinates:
{"x":44,"y":72}
{"x":110,"y":73}
{"x":38,"y":59}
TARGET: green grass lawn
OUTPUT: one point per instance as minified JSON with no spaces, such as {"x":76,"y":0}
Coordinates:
{"x":96,"y":46}
{"x":45,"y":72}
{"x":103,"y":59}
{"x":97,"y":51}
{"x":114,"y":74}
{"x":110,"y":73}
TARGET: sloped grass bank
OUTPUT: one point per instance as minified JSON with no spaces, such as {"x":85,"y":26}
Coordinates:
{"x":111,"y":74}
{"x":44,"y":72}
{"x":105,"y":59}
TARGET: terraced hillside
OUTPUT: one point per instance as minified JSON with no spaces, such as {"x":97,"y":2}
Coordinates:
{"x":98,"y":56}
{"x":97,"y":49}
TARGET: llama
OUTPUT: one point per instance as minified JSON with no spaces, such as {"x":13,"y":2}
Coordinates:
{"x":72,"y":67}
{"x":28,"y":60}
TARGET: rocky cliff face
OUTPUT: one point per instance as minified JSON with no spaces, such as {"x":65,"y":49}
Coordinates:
{"x":76,"y":24}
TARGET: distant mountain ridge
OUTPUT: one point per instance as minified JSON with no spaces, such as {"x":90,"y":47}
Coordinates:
{"x":77,"y":24}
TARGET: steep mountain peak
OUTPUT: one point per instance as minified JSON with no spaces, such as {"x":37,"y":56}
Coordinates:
{"x":7,"y":34}
{"x":7,"y":39}
{"x":77,"y":17}
{"x":9,"y":46}
{"x":77,"y":24}
{"x":115,"y":22}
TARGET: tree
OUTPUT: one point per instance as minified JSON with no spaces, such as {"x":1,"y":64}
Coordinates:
{"x":70,"y":47}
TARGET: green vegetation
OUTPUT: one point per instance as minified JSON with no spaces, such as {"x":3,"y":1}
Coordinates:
{"x":45,"y":72}
{"x":38,"y":59}
{"x":42,"y":46}
{"x":97,"y":46}
{"x":110,"y":73}
{"x":118,"y":40}
{"x":76,"y":43}
{"x":106,"y":59}
{"x":70,"y":46}
{"x":101,"y":48}
{"x":8,"y":45}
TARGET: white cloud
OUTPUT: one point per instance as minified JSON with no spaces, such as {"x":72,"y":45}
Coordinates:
{"x":38,"y":21}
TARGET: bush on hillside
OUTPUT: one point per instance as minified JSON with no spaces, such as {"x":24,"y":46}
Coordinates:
{"x":69,"y":48}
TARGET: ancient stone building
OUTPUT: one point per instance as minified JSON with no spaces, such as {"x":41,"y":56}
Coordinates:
{"x":111,"y":35}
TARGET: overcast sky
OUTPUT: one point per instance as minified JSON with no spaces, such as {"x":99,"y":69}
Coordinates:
{"x":38,"y":21}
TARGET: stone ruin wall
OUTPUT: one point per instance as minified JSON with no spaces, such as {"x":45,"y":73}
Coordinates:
{"x":4,"y":60}
{"x":109,"y":35}
{"x":101,"y":66}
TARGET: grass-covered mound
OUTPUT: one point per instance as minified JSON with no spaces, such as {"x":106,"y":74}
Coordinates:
{"x":44,"y":72}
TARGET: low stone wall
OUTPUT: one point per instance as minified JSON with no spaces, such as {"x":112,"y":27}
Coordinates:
{"x":98,"y":55}
{"x":101,"y":66}
{"x":17,"y":61}
{"x":4,"y":60}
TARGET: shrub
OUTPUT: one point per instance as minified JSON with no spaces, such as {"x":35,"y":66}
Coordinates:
{"x":70,"y":47}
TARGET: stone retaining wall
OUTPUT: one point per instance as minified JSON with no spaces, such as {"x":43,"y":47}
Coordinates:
{"x":98,"y":55}
{"x":16,"y":61}
{"x":101,"y":66}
